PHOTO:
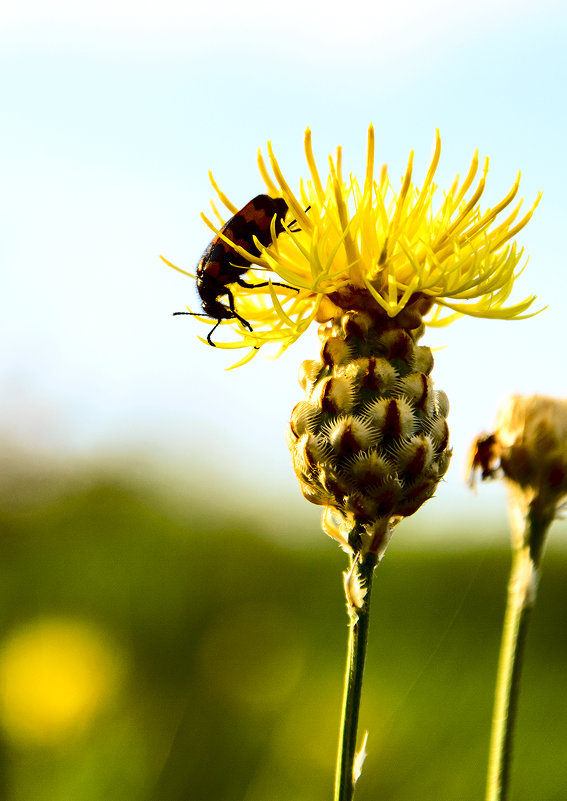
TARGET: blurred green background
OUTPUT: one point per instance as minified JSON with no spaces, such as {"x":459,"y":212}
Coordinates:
{"x":175,"y":652}
{"x":173,"y":626}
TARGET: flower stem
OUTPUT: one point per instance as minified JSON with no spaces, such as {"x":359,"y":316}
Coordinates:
{"x":358,"y":635}
{"x":522,"y":589}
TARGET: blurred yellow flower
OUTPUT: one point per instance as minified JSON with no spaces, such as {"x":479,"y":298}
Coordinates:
{"x":365,"y":245}
{"x":55,"y":674}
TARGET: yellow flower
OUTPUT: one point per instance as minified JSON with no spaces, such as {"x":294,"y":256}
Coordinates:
{"x":363,"y":245}
{"x":55,"y":675}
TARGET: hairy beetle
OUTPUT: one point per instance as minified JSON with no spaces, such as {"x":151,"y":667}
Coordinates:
{"x":221,"y":265}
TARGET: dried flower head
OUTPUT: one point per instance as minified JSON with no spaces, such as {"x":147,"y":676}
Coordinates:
{"x":529,"y":448}
{"x":533,"y":434}
{"x":360,"y":245}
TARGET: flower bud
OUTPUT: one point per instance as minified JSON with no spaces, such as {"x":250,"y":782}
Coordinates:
{"x":370,"y":441}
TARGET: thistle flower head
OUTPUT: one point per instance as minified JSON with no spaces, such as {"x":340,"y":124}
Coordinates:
{"x":370,"y":245}
{"x":373,"y":264}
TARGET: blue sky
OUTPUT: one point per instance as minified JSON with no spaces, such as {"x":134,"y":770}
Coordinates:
{"x":111,"y":114}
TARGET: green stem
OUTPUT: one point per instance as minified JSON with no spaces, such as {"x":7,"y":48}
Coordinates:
{"x":522,"y":588}
{"x":358,"y":635}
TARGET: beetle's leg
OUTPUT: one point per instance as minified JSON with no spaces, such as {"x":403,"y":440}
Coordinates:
{"x":233,"y":310}
{"x":247,"y":285}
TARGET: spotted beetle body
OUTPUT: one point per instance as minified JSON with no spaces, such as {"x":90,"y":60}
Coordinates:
{"x":221,"y":265}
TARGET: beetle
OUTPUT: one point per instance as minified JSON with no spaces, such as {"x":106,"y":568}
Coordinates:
{"x":221,"y":265}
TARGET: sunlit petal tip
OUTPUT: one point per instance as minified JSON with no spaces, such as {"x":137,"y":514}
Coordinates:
{"x":175,"y":267}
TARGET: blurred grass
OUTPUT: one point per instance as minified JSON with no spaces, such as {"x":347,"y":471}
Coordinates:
{"x":233,"y":648}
